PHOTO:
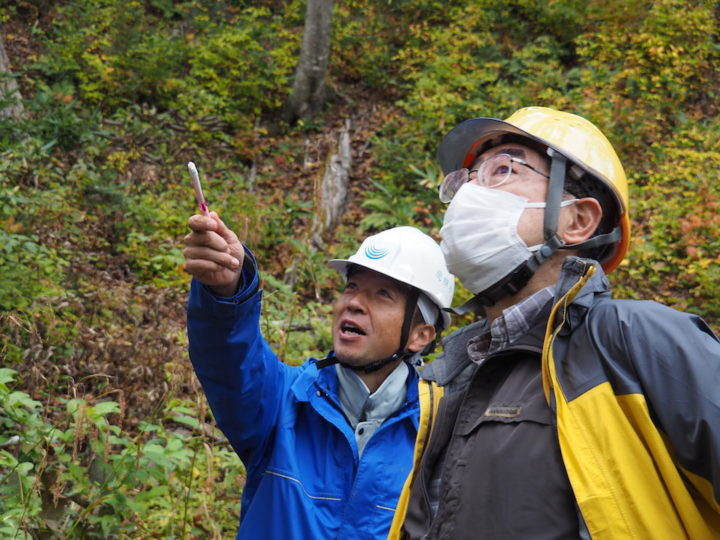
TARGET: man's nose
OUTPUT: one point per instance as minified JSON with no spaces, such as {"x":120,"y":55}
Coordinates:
{"x":358,"y":303}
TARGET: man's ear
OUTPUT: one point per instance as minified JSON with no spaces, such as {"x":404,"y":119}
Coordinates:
{"x":420,"y":335}
{"x":580,"y":220}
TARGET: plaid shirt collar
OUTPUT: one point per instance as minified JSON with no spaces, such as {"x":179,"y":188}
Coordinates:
{"x":514,"y":322}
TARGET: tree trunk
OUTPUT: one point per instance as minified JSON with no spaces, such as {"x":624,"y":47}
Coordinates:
{"x":10,"y":98}
{"x":331,"y":190}
{"x":308,"y":92}
{"x":330,"y":198}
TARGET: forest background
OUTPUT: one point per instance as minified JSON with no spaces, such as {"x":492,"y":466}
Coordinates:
{"x":104,"y":431}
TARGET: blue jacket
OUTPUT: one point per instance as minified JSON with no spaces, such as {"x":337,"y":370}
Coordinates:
{"x":304,"y":477}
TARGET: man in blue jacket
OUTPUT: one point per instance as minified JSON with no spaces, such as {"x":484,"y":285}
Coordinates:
{"x":328,"y":445}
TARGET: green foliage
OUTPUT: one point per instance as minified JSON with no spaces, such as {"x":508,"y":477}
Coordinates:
{"x":196,"y":57}
{"x":359,"y":52}
{"x":677,"y":249}
{"x":393,"y":205}
{"x":94,"y":198}
{"x":488,"y":63}
{"x":648,"y":66}
{"x":113,"y":51}
{"x":238,"y":71}
{"x":29,"y":267}
{"x":296,"y":330}
{"x":148,"y":234}
{"x":22,"y":256}
{"x":82,"y":477}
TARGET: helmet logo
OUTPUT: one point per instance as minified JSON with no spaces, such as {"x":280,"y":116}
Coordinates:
{"x":372,"y":252}
{"x":444,"y":279}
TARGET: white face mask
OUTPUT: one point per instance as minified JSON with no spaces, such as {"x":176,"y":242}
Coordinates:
{"x":479,"y":235}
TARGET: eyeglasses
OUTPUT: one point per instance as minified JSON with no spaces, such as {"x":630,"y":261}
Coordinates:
{"x":491,"y":173}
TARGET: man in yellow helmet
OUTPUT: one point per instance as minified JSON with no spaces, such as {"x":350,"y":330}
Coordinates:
{"x":566,"y":414}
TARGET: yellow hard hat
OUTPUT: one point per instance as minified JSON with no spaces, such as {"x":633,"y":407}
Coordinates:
{"x":583,"y":144}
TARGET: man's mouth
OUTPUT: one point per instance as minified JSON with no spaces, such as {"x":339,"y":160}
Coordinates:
{"x":349,"y":328}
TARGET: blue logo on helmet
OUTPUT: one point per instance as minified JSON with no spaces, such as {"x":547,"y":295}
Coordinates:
{"x":372,"y":252}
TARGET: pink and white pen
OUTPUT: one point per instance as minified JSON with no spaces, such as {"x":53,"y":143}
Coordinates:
{"x":198,"y":189}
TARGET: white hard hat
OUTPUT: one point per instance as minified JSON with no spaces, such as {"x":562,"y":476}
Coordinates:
{"x":410,"y":256}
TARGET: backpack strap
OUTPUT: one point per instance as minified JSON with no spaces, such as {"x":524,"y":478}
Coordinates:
{"x":429,"y":395}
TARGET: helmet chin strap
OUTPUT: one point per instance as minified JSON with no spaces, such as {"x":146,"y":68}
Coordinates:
{"x":400,"y":354}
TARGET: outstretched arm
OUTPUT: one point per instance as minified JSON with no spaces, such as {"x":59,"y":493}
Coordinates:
{"x":242,"y":378}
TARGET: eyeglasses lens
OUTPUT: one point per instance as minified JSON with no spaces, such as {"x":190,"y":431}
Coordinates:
{"x":491,"y":173}
{"x":452,"y":183}
{"x":495,"y":171}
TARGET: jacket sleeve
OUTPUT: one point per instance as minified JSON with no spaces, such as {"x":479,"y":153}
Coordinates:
{"x":242,"y":378}
{"x":676,"y":359}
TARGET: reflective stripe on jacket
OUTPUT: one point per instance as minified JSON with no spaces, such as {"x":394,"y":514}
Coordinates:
{"x":304,"y":477}
{"x":635,"y":390}
{"x":429,"y":396}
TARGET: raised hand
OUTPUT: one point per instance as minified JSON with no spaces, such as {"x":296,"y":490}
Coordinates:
{"x":213,"y":254}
